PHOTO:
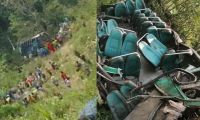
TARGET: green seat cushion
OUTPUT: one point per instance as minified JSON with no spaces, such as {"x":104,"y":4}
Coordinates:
{"x":110,"y":11}
{"x":170,"y":62}
{"x":145,"y":25}
{"x":101,"y":29}
{"x":141,"y":15}
{"x":114,"y":43}
{"x":129,"y":44}
{"x":125,"y":90}
{"x":153,"y":14}
{"x":142,"y":19}
{"x":130,"y":5}
{"x":156,"y":19}
{"x":147,"y":12}
{"x":117,"y":105}
{"x":167,"y":85}
{"x":156,"y":44}
{"x":149,"y":53}
{"x":132,"y":65}
{"x":160,"y":24}
{"x":111,"y":24}
{"x":120,"y":9}
{"x":170,"y":88}
{"x":139,"y":4}
{"x":166,"y":36}
{"x":153,"y":30}
{"x":117,"y":63}
{"x":137,"y":12}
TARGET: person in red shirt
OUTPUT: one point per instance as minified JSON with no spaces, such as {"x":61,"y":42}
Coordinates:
{"x":65,"y":78}
{"x":29,"y":80}
{"x":50,"y":47}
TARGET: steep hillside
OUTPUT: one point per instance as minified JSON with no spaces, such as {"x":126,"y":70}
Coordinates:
{"x":83,"y":87}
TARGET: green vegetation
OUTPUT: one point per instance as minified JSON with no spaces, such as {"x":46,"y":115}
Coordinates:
{"x":184,"y":16}
{"x":25,"y":19}
{"x":104,"y":2}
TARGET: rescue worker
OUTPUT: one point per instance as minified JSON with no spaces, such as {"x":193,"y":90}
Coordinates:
{"x":59,"y":38}
{"x":50,"y":47}
{"x":55,"y":81}
{"x":38,"y":73}
{"x":7,"y":99}
{"x":65,"y":78}
{"x":21,"y":87}
{"x":37,"y":85}
{"x":56,"y":44}
{"x":54,"y":66}
{"x":29,"y":80}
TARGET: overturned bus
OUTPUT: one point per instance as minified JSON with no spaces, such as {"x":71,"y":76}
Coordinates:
{"x":34,"y":46}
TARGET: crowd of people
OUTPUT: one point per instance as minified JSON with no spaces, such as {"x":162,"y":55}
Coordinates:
{"x":29,"y":89}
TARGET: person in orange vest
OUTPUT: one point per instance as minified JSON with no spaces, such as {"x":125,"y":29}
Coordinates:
{"x":65,"y":78}
{"x":50,"y":47}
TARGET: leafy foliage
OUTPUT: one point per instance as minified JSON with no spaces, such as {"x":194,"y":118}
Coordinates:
{"x":184,"y":16}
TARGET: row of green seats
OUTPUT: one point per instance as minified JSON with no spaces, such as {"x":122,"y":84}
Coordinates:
{"x":118,"y":42}
{"x":104,"y":27}
{"x":157,"y":53}
{"x":142,"y":13}
{"x":125,"y":8}
{"x":118,"y":101}
{"x":116,"y":45}
{"x":148,"y":22}
{"x":145,"y":18}
{"x":165,"y":35}
{"x":129,"y":64}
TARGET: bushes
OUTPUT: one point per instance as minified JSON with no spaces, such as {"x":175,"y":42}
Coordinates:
{"x":184,"y":16}
{"x":12,"y":110}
